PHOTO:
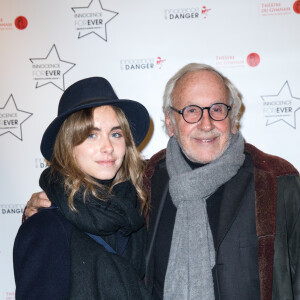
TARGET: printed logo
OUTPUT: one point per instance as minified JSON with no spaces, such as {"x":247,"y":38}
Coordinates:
{"x":12,"y":118}
{"x":160,"y":62}
{"x":9,"y":295}
{"x":50,"y":69}
{"x":21,"y":22}
{"x":142,"y":64}
{"x":40,"y":163}
{"x":7,"y":209}
{"x":271,"y":8}
{"x":296,"y":7}
{"x":281,"y":107}
{"x":253,"y":59}
{"x":205,"y":11}
{"x":229,"y":61}
{"x":233,"y":61}
{"x":4,"y":25}
{"x":187,"y":13}
{"x":92,"y":19}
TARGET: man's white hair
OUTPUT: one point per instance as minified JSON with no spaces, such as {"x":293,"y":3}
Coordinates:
{"x":234,"y":94}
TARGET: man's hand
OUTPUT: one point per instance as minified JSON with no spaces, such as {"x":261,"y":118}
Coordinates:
{"x":37,"y":200}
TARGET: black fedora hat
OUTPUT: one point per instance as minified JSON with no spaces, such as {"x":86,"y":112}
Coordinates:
{"x":94,"y":92}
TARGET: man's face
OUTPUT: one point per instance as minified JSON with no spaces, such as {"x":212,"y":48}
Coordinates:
{"x":208,"y":139}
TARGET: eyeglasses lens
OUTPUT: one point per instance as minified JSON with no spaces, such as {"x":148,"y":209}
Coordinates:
{"x":192,"y":114}
{"x":218,"y":111}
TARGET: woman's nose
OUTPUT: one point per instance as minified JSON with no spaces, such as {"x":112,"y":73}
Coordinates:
{"x":106,"y":145}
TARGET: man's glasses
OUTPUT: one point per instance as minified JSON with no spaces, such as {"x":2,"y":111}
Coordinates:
{"x":193,"y":113}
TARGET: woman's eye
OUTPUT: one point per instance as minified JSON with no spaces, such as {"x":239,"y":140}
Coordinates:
{"x":91,"y":136}
{"x":116,"y":134}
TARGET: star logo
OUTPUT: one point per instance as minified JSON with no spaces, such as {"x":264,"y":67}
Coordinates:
{"x":93,"y":19}
{"x":51,"y":69}
{"x":12,"y":118}
{"x":281,"y":107}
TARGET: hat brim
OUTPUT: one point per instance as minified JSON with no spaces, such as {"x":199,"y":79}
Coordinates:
{"x":136,"y":114}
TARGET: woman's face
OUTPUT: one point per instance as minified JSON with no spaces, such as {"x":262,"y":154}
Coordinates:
{"x":102,"y":153}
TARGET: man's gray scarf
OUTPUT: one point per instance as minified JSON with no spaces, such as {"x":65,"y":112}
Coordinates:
{"x":192,"y":254}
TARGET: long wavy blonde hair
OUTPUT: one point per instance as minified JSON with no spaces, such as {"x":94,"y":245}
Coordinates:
{"x":75,"y":129}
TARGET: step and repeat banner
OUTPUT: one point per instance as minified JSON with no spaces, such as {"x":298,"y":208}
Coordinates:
{"x":137,"y":45}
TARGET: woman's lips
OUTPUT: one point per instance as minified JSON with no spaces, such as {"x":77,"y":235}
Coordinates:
{"x":106,"y":163}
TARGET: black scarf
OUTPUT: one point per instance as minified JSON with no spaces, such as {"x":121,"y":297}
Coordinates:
{"x":96,"y":273}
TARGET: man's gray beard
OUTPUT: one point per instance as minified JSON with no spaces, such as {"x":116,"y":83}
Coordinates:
{"x":202,"y":162}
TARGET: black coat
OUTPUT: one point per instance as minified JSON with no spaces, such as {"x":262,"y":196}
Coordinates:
{"x":42,"y":264}
{"x":41,"y":257}
{"x":258,"y":252}
{"x":56,"y":259}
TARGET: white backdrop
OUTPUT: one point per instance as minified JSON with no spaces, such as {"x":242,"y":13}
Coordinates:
{"x":137,"y":45}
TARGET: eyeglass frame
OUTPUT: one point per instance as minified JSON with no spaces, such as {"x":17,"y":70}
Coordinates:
{"x":181,"y":111}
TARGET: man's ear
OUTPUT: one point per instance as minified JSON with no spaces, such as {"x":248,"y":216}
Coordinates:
{"x":233,"y":126}
{"x":169,"y":126}
{"x":234,"y":123}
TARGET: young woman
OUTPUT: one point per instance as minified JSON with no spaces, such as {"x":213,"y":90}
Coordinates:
{"x":91,"y":243}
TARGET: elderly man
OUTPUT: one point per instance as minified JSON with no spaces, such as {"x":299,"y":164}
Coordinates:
{"x":224,"y":220}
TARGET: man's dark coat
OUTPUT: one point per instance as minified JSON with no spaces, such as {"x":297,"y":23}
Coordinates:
{"x":270,"y":187}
